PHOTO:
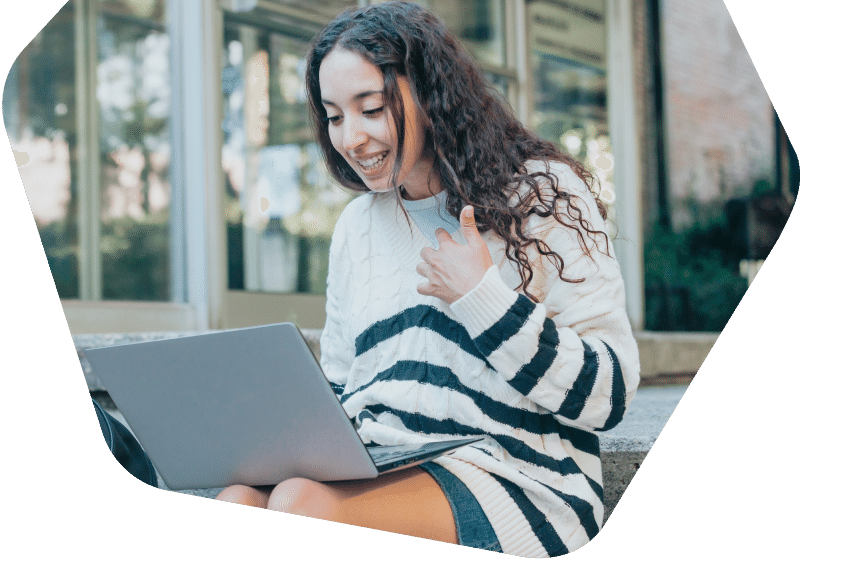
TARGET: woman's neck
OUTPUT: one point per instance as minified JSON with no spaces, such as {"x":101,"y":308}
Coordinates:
{"x":422,"y":181}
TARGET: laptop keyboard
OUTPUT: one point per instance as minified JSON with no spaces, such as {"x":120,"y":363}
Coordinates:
{"x":386,"y":454}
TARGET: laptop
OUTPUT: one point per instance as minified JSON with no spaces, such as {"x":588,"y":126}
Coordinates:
{"x":242,"y":406}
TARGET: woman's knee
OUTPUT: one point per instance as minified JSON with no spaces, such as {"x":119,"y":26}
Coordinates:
{"x":245,"y":495}
{"x":305,"y":498}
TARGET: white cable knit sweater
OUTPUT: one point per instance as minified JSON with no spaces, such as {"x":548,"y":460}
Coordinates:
{"x":535,"y":379}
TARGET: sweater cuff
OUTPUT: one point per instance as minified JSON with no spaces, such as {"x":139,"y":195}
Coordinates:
{"x":485,"y":304}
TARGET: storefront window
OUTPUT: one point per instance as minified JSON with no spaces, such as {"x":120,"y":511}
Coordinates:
{"x":479,"y":23}
{"x":281,"y":205}
{"x":567,"y":42}
{"x":133,"y":93}
{"x":131,"y":193}
{"x":325,"y":8}
{"x":39,"y":110}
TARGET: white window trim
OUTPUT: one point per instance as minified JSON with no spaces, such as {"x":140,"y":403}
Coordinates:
{"x":624,"y":143}
{"x":88,"y":126}
{"x":196,"y":67}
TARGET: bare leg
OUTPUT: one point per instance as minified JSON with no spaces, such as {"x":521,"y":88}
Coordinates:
{"x":406,"y":502}
{"x":256,"y":497}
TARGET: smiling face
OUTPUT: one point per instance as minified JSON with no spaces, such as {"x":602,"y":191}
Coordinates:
{"x":362,"y":130}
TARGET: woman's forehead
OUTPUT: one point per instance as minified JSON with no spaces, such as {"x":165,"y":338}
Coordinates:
{"x":345,"y":75}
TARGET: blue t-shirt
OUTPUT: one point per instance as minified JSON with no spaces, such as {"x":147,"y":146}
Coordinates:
{"x":431,"y":214}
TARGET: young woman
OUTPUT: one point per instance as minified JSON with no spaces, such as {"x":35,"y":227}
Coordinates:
{"x":473,"y":293}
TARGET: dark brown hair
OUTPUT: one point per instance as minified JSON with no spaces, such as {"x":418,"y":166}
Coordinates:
{"x":480,"y":148}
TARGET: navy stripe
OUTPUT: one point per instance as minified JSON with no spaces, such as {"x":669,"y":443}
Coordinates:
{"x":423,"y":316}
{"x":443,"y":377}
{"x":583,"y":440}
{"x":596,"y":487}
{"x":547,"y":349}
{"x":583,"y":510}
{"x":337,"y":388}
{"x":582,"y":386}
{"x":540,"y":525}
{"x":423,"y":424}
{"x":364,"y":415}
{"x":506,"y":327}
{"x":618,"y":392}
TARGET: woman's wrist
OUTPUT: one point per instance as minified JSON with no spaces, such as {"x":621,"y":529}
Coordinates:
{"x":485,"y":304}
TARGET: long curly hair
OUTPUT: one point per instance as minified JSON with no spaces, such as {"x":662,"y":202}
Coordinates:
{"x":480,"y":148}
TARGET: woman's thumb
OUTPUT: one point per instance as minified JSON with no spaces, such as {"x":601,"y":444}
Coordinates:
{"x":467,"y":223}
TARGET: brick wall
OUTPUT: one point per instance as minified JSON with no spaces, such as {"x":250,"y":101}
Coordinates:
{"x":720,"y":133}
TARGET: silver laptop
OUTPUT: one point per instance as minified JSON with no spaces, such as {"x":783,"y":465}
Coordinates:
{"x":243,"y":406}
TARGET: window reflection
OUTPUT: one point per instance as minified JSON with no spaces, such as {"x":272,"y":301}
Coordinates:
{"x":325,"y":8}
{"x":39,"y":109}
{"x":133,"y":94}
{"x":281,"y":203}
{"x":479,"y":23}
{"x":570,"y":84}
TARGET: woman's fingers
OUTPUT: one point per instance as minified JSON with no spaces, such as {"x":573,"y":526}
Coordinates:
{"x":452,"y":269}
{"x":443,"y":236}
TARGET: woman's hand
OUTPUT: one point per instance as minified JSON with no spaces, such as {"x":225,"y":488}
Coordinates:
{"x":453,"y":270}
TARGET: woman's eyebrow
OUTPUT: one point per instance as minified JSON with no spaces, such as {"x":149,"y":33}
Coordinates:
{"x":358,"y":96}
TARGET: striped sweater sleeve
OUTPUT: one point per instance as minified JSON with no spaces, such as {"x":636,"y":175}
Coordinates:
{"x":573,"y":354}
{"x":337,"y":350}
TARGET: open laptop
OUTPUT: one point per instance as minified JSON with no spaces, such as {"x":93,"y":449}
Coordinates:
{"x":242,"y":406}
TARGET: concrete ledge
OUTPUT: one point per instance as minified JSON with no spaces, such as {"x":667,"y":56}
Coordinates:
{"x":623,"y":448}
{"x":663,"y":353}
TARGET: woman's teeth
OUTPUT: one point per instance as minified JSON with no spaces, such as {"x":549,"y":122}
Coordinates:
{"x":369,"y":163}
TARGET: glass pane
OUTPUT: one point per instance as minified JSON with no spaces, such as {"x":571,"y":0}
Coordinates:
{"x":281,"y":205}
{"x":568,"y":71}
{"x":326,"y":8}
{"x":149,"y":9}
{"x":479,"y":23}
{"x":133,"y":91}
{"x":500,"y":83}
{"x":39,"y":109}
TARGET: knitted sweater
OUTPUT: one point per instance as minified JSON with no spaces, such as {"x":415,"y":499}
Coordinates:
{"x":534,"y":379}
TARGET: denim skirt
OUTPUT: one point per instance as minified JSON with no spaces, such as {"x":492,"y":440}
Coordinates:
{"x":473,"y":528}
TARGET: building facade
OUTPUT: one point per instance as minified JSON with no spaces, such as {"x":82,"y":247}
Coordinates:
{"x":166,"y":151}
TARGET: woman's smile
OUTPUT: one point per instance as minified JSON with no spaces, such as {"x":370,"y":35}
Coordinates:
{"x":370,"y":166}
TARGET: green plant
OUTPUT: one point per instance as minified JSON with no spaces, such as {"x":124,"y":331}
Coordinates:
{"x":692,"y":283}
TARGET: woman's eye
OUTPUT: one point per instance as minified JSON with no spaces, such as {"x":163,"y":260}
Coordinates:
{"x":334,"y":120}
{"x":374,"y":111}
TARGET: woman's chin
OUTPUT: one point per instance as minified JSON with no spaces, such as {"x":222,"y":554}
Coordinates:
{"x":377,"y":186}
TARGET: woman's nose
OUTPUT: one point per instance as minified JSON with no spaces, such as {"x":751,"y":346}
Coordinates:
{"x":354,"y":136}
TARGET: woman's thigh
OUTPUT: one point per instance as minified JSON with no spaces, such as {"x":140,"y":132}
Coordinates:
{"x":406,"y":502}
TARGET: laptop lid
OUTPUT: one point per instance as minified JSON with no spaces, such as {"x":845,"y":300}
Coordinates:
{"x":248,"y":406}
